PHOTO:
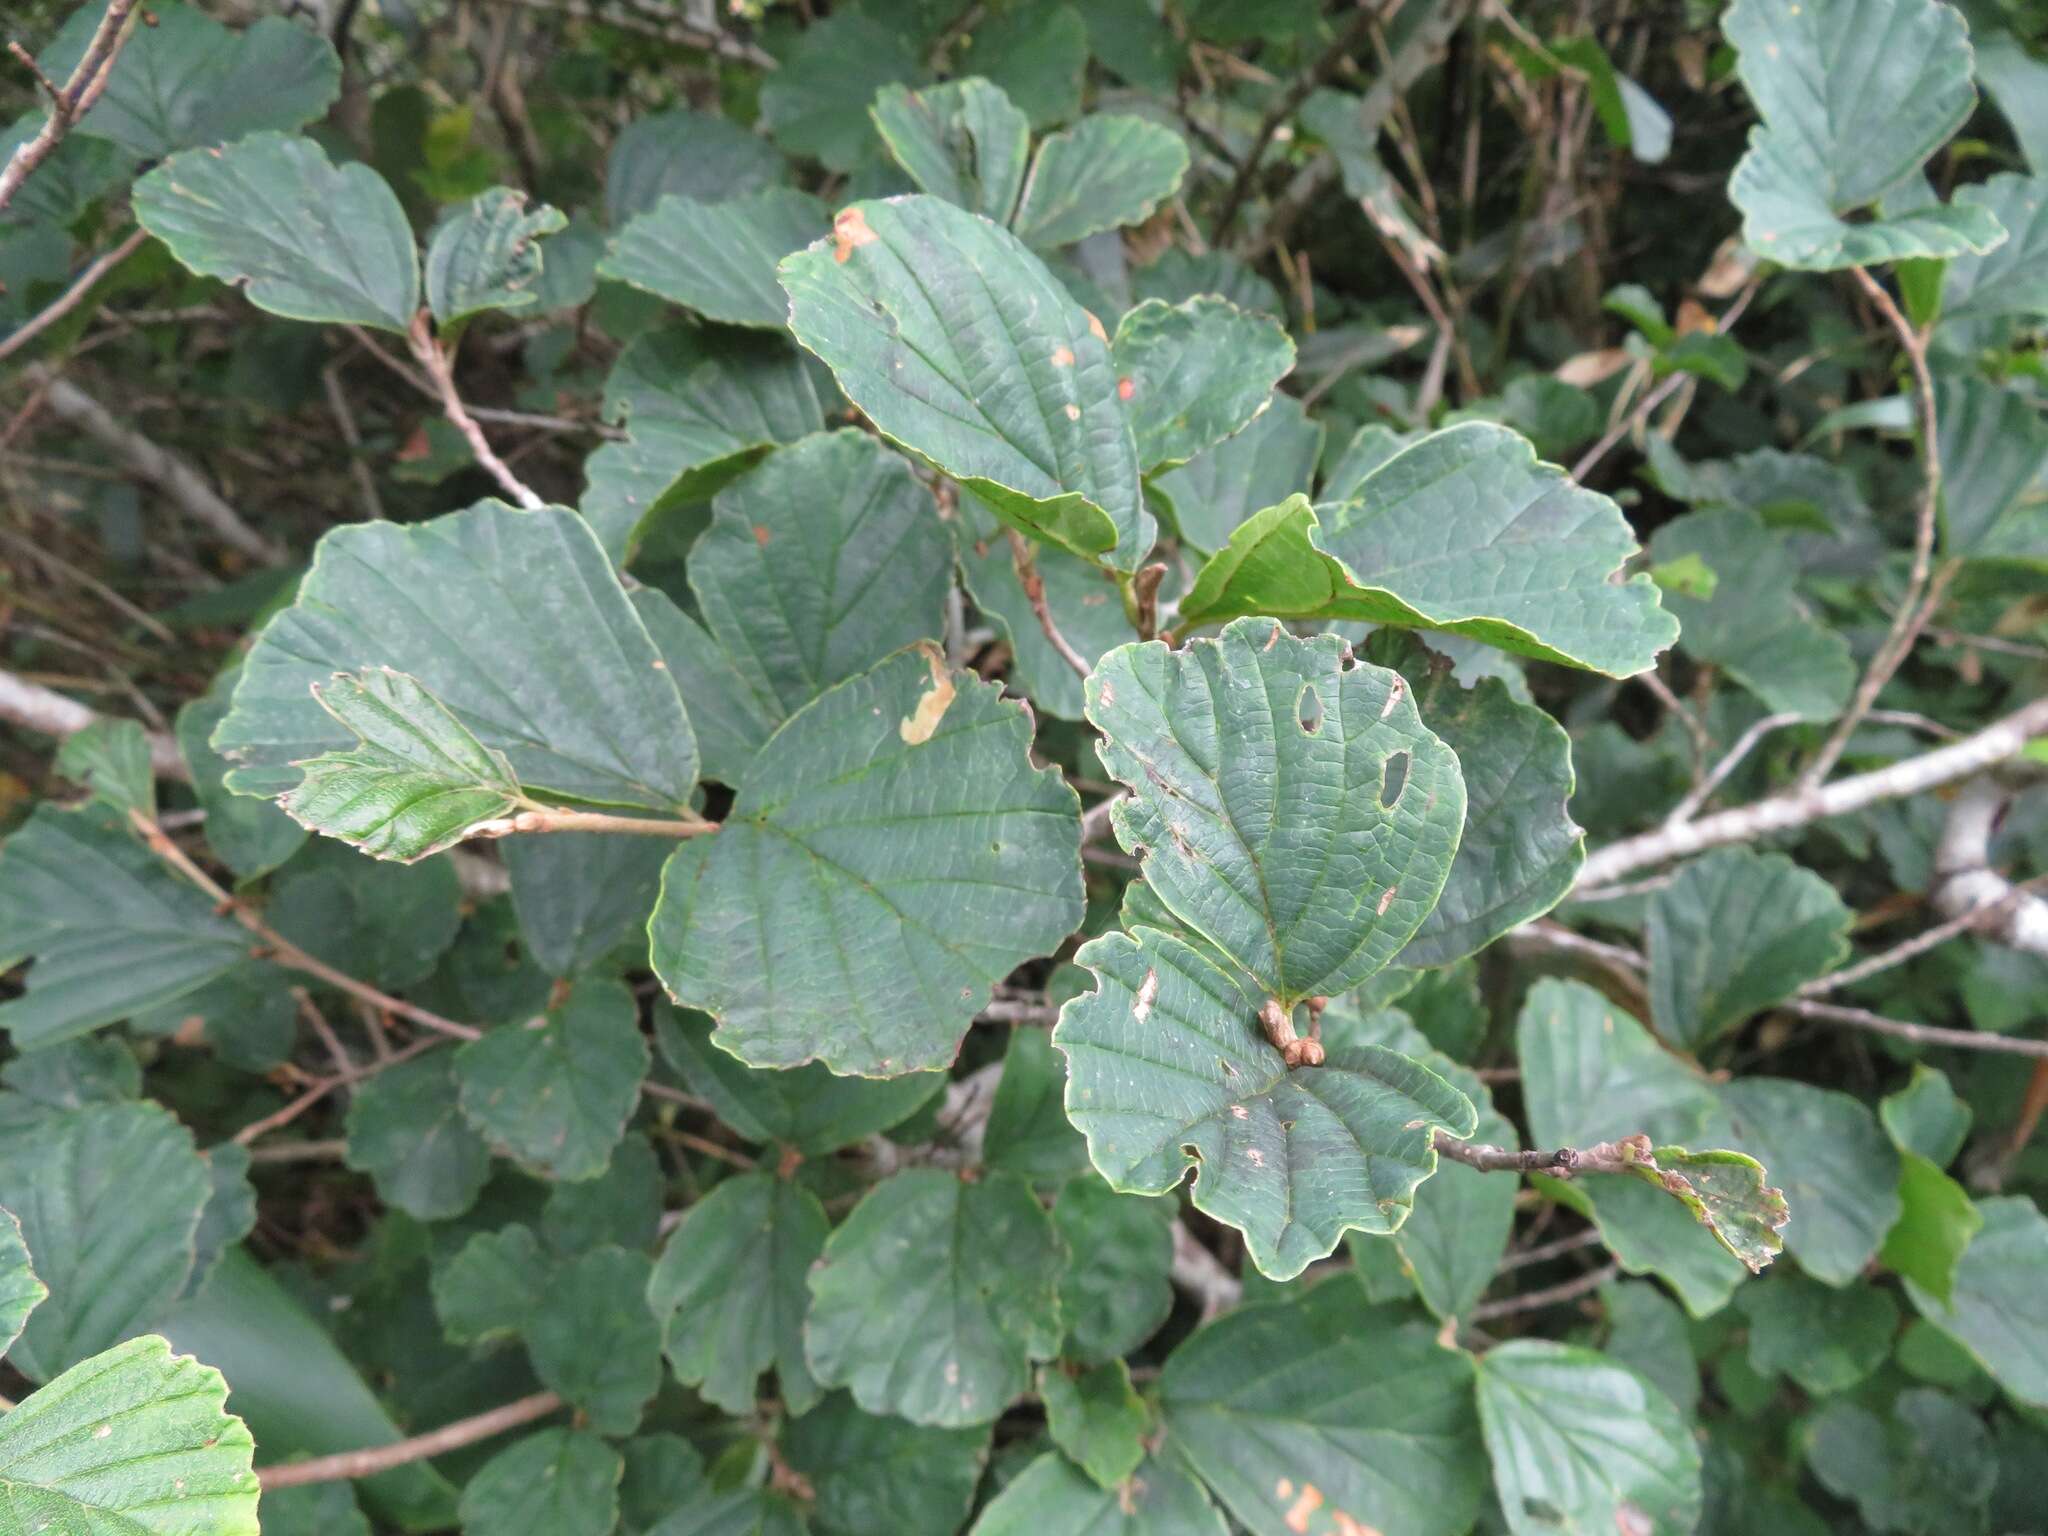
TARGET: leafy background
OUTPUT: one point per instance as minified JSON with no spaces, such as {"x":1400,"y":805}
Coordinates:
{"x":1589,"y":459}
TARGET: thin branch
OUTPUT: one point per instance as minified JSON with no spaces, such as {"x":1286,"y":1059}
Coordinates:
{"x":1969,"y":888}
{"x":48,"y":713}
{"x":352,"y":440}
{"x":280,"y":1118}
{"x":548,"y":818}
{"x":1798,"y":807}
{"x":1095,"y":820}
{"x":1201,"y":1274}
{"x":349,"y":1465}
{"x":1556,"y":1248}
{"x":1918,"y":1034}
{"x":440,"y":370}
{"x":654,"y":24}
{"x":1702,"y":743}
{"x":1716,"y":776}
{"x":73,"y":296}
{"x":1026,"y":564}
{"x":1623,"y":1156}
{"x":1549,"y":1296}
{"x":1982,"y":913}
{"x":76,"y":98}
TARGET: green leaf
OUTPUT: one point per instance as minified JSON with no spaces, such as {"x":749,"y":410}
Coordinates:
{"x":1053,"y":1497}
{"x":1081,"y":596}
{"x":1287,"y":802}
{"x":230,"y":1212}
{"x":1464,"y":531}
{"x":1324,"y":1408}
{"x":890,"y":856}
{"x":1273,"y":458}
{"x":487,"y":256}
{"x":1994,"y":452}
{"x":387,"y":924}
{"x":1827,"y":1340}
{"x":562,"y":1481}
{"x":312,"y":1509}
{"x":1195,"y":373}
{"x":1726,"y":1193}
{"x":1648,"y":1232}
{"x":252,"y":837}
{"x":935,"y":1295}
{"x":690,"y":154}
{"x":111,"y":758}
{"x":1928,"y":1466}
{"x":1591,"y":1073}
{"x":1736,"y":932}
{"x":406,"y":1130}
{"x":1455,"y":1238}
{"x":817,"y":564}
{"x":112,"y":1262}
{"x":1169,"y":1070}
{"x":1037,"y":53}
{"x":1994,"y":1310}
{"x":418,"y":781}
{"x":1103,"y":173}
{"x":1097,"y":1418}
{"x":303,"y":238}
{"x":881,"y":1474}
{"x":729,"y":1291}
{"x":804,"y":1107}
{"x":1647,"y":1332}
{"x":582,"y":896}
{"x":816,"y":104}
{"x":1116,"y":1292}
{"x":1753,"y":625}
{"x":490,"y":1289}
{"x":112,"y":931}
{"x":962,"y":141}
{"x":1027,"y":1130}
{"x":557,"y":1091}
{"x":1926,"y":1116}
{"x":1855,"y":95}
{"x":593,"y":1339}
{"x":133,"y":1440}
{"x":916,"y":306}
{"x":184,"y":80}
{"x":2012,"y":279}
{"x":90,"y":1069}
{"x":730,"y":720}
{"x":563,"y":679}
{"x":718,"y":258}
{"x":20,"y":1291}
{"x":1837,"y":1169}
{"x":621,"y":1206}
{"x":1579,"y":1443}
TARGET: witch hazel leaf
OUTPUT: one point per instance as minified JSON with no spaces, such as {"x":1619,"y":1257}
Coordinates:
{"x":963,"y":141}
{"x":488,"y":256}
{"x":1195,"y":373}
{"x":418,"y":783}
{"x":1104,"y":172}
{"x":20,"y":1291}
{"x":1168,"y":1069}
{"x":1724,"y":1190}
{"x":718,"y":258}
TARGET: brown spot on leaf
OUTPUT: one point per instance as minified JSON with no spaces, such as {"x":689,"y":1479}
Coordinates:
{"x":1310,"y":1500}
{"x":918,"y":725}
{"x":761,"y":534}
{"x":1095,"y":327}
{"x":849,"y":232}
{"x":1393,"y":697}
{"x":1125,"y":388}
{"x":1063,"y":357}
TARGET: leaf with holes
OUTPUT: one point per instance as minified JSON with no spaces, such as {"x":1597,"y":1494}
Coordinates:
{"x":718,"y":258}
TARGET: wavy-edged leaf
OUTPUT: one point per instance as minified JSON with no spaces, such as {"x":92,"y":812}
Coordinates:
{"x":490,"y":1288}
{"x":1037,"y":54}
{"x":1097,"y":1418}
{"x":582,"y":896}
{"x":1994,"y":455}
{"x":111,"y":758}
{"x":1926,"y":1464}
{"x":304,"y":238}
{"x":1727,"y":1194}
{"x":1994,"y":1308}
{"x":1937,"y":1223}
{"x":1591,"y":1073}
{"x":1826,"y":1340}
{"x":113,"y":1262}
{"x":1927,"y":1116}
{"x":21,"y":1292}
{"x":959,"y":345}
{"x":252,"y":837}
{"x":1270,"y":460}
{"x":562,"y":1481}
{"x":935,"y":1295}
{"x":1288,"y":802}
{"x":1103,"y":173}
{"x":963,"y":141}
{"x":2011,"y":279}
{"x":384,"y":923}
{"x":1306,"y":1413}
{"x":1084,"y":602}
{"x":816,"y":103}
{"x":1465,"y":531}
{"x":1053,"y":1497}
{"x":1855,"y":95}
{"x":112,"y":932}
{"x":1195,"y":373}
{"x":1736,"y":932}
{"x":592,"y":1338}
{"x":890,"y":855}
{"x":557,"y":1091}
{"x":406,"y":1130}
{"x":487,"y":256}
{"x":1168,"y":1069}
{"x":688,"y":154}
{"x":133,"y":1440}
{"x":514,"y":620}
{"x":729,"y":1291}
{"x":718,"y":258}
{"x":1836,"y":1166}
{"x":874,"y":1474}
{"x":1579,"y":1443}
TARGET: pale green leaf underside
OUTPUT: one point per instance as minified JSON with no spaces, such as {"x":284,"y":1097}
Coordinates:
{"x":1168,"y":1069}
{"x":306,"y":239}
{"x":1195,"y":373}
{"x":962,"y":141}
{"x":718,"y":258}
{"x":891,"y":855}
{"x":958,"y":344}
{"x":1464,"y":531}
{"x":20,"y":1291}
{"x":488,"y":256}
{"x":1103,"y":173}
{"x":1287,"y":802}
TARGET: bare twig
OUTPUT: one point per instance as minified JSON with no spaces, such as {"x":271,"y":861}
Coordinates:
{"x":1984,"y":913}
{"x":326,"y":1085}
{"x":1026,"y":564}
{"x":1716,"y":776}
{"x":39,"y":709}
{"x":1918,"y":1034}
{"x":73,"y":296}
{"x":73,"y":99}
{"x":1623,"y":1156}
{"x":352,"y":440}
{"x":1095,"y":820}
{"x":1549,"y":1296}
{"x":653,"y":21}
{"x":1201,"y":1274}
{"x":382,"y":1458}
{"x":548,"y":818}
{"x":440,"y":370}
{"x":1556,"y":1248}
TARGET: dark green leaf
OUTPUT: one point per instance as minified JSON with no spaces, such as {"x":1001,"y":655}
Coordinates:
{"x":252,"y":837}
{"x":561,"y":1481}
{"x":689,"y":154}
{"x":1270,"y":460}
{"x":593,"y":1339}
{"x":1994,"y":1309}
{"x":407,"y":1132}
{"x":880,"y":1474}
{"x":487,"y":256}
{"x":1194,"y":374}
{"x":111,"y":758}
{"x":1103,"y":173}
{"x":1053,"y":1497}
{"x":582,"y":895}
{"x":1927,"y":1467}
{"x":492,"y":1287}
{"x":962,"y":141}
{"x":1116,"y":1292}
{"x":718,"y":258}
{"x":1097,"y":1419}
{"x":20,"y":1291}
{"x":1836,"y":1167}
{"x":816,"y":104}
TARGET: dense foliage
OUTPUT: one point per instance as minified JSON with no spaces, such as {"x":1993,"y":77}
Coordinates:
{"x":860,"y":768}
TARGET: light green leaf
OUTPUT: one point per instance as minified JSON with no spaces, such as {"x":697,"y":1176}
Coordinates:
{"x":1097,"y":1418}
{"x":492,"y":1286}
{"x":911,"y":304}
{"x":2012,"y":279}
{"x":1103,"y":173}
{"x":1591,"y":1073}
{"x":1994,"y":457}
{"x":1928,"y":1466}
{"x":962,"y":141}
{"x":1855,"y":96}
{"x":890,"y":855}
{"x":804,"y":1107}
{"x":563,"y":679}
{"x":1827,"y":1340}
{"x":1194,"y":374}
{"x":418,"y":781}
{"x":112,"y":1262}
{"x":1287,"y":802}
{"x":111,"y":758}
{"x":729,"y":1291}
{"x":593,"y":1339}
{"x":1837,"y":1168}
{"x":1726,"y":1193}
{"x":697,"y":155}
{"x":303,"y":238}
{"x":133,"y":1440}
{"x":1464,"y":531}
{"x":406,"y":1131}
{"x":1736,"y":932}
{"x":487,"y":256}
{"x":875,"y":1474}
{"x":20,"y":1291}
{"x":557,"y":1091}
{"x":816,"y":104}
{"x":818,"y":563}
{"x":1926,"y":1116}
{"x":1270,"y":460}
{"x":935,"y":1295}
{"x":1581,"y":1444}
{"x":561,"y":1481}
{"x":582,"y":896}
{"x":718,"y":258}
{"x":1169,"y":1070}
{"x":1116,"y":1292}
{"x":111,"y":930}
{"x":252,"y":837}
{"x":1053,"y":1497}
{"x":1994,"y":1310}
{"x":184,"y":80}
{"x":1324,"y":1408}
